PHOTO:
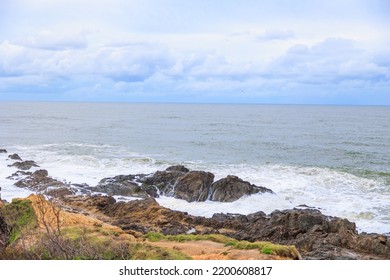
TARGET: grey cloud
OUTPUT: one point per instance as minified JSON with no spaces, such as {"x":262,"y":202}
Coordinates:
{"x":332,"y":61}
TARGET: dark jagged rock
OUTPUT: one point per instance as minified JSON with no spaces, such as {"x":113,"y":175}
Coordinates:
{"x":233,"y":188}
{"x":14,"y":157}
{"x":315,"y":235}
{"x":125,"y":185}
{"x":39,"y":181}
{"x":179,"y":168}
{"x":3,"y":151}
{"x":24,"y":165}
{"x":59,"y":192}
{"x":18,"y":175}
{"x":193,"y":186}
{"x":165,"y":181}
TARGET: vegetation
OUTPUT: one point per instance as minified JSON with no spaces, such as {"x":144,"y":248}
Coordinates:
{"x":264,"y":247}
{"x":35,"y":229}
{"x":37,"y":232}
{"x":219,"y":238}
{"x":19,"y":217}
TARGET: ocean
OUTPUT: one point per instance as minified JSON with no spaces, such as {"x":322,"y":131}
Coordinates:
{"x":333,"y":158}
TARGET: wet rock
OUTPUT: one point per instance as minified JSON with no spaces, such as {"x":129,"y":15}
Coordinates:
{"x":125,"y":185}
{"x":24,"y":165}
{"x":178,"y":168}
{"x":147,"y":215}
{"x":18,"y":175}
{"x":165,"y":181}
{"x":3,"y":151}
{"x":233,"y":188}
{"x":14,"y":157}
{"x":59,"y":192}
{"x":39,"y":181}
{"x":193,"y":186}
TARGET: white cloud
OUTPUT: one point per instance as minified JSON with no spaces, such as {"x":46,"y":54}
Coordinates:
{"x":113,"y":49}
{"x":55,"y":41}
{"x":275,"y":35}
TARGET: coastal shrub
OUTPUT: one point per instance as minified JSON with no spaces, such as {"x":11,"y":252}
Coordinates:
{"x":19,"y":217}
{"x":154,"y":236}
{"x":53,"y":241}
{"x":288,"y":251}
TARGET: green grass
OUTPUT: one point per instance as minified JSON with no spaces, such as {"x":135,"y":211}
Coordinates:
{"x":20,"y":217}
{"x":155,"y":236}
{"x":268,"y":248}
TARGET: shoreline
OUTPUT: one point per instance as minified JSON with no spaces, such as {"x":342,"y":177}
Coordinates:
{"x":304,"y":227}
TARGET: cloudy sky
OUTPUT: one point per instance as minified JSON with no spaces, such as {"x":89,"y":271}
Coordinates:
{"x":248,"y":51}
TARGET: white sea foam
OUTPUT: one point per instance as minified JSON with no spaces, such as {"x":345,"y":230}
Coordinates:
{"x":335,"y":193}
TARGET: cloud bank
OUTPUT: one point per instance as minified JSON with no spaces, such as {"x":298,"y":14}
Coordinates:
{"x":264,"y":61}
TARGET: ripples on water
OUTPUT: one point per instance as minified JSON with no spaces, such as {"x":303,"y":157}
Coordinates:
{"x":336,"y":158}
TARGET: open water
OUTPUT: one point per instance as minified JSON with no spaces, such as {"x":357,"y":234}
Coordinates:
{"x":334,"y":158}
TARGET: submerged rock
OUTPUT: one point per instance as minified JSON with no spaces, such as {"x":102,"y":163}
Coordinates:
{"x":24,"y":165}
{"x":233,"y":188}
{"x":14,"y":157}
{"x":18,"y":175}
{"x":39,"y":181}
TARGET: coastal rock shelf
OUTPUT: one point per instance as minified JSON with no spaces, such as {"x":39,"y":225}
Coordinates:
{"x":315,"y":235}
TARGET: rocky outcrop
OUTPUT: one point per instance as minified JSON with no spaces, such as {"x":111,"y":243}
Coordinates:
{"x":125,"y":185}
{"x":193,"y":186}
{"x":315,"y":235}
{"x":176,"y":181}
{"x":3,"y":151}
{"x":165,"y":180}
{"x":24,"y":165}
{"x":39,"y":181}
{"x":14,"y":157}
{"x":233,"y":188}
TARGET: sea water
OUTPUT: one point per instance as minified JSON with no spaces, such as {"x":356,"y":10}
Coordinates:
{"x":333,"y":158}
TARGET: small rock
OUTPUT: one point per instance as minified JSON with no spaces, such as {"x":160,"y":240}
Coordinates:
{"x":24,"y":165}
{"x":3,"y":151}
{"x":179,"y":168}
{"x":123,"y":185}
{"x":60,"y":192}
{"x":39,"y":181}
{"x":19,"y":174}
{"x":15,"y":157}
{"x":233,"y":188}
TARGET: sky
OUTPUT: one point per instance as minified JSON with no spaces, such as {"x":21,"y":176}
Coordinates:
{"x":215,"y":51}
